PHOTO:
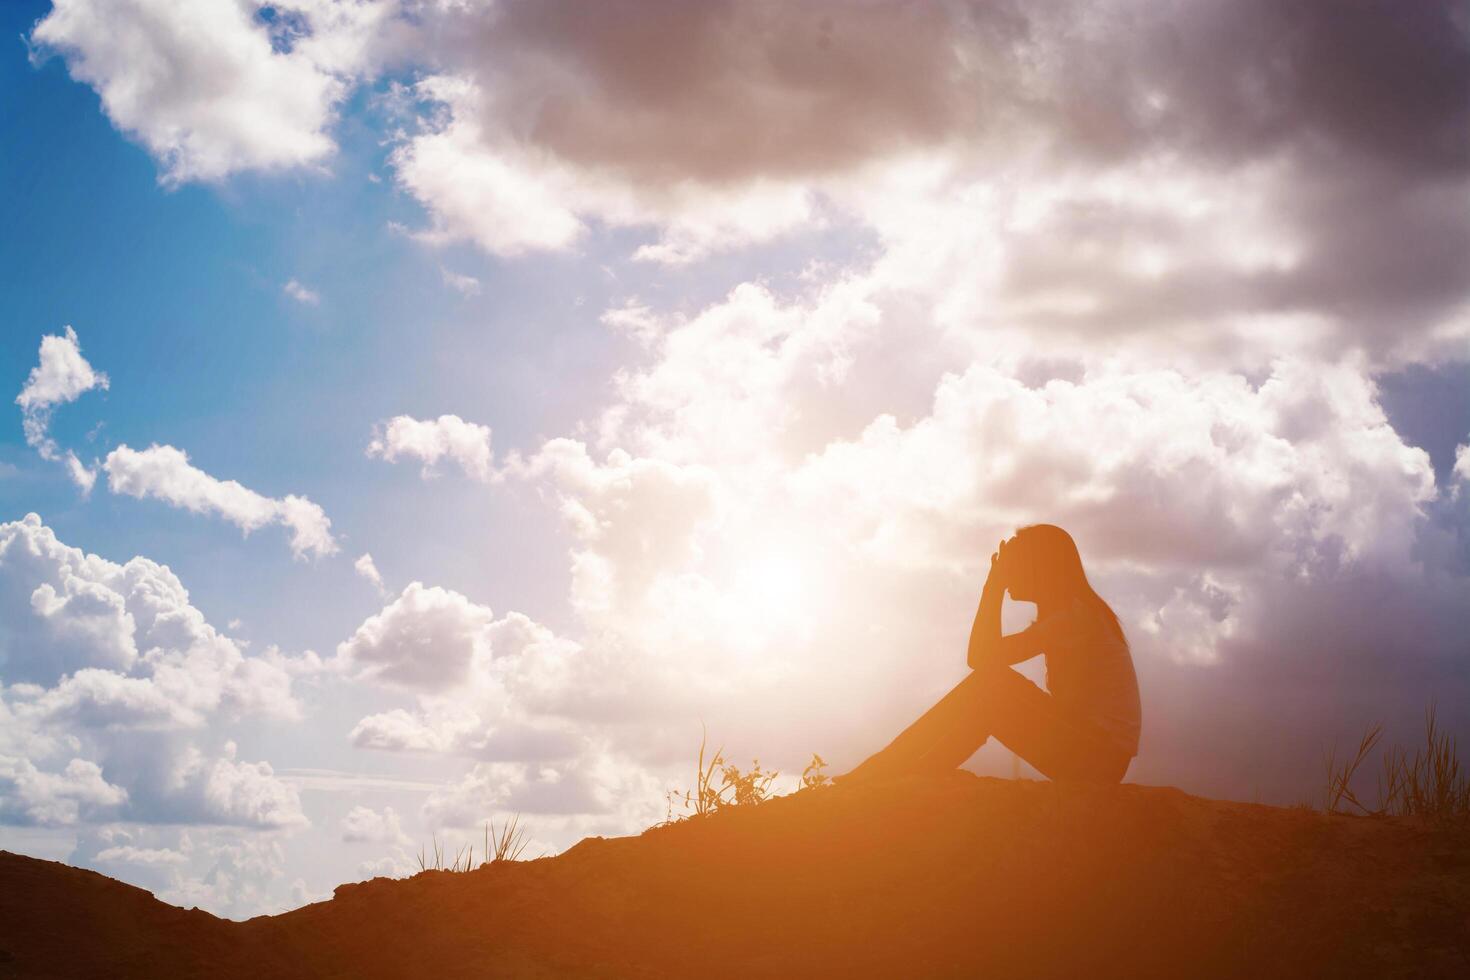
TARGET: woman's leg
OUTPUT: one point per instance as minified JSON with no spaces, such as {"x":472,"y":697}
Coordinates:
{"x":955,"y":716}
{"x":1000,"y":703}
{"x":1028,"y":721}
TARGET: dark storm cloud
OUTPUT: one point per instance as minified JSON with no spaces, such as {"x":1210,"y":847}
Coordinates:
{"x":1346,"y":124}
{"x":1375,"y":80}
{"x":1362,"y":109}
{"x":732,"y":91}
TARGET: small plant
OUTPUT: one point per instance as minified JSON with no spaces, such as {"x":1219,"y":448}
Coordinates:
{"x":745,"y":788}
{"x":734,"y":788}
{"x":813,"y":776}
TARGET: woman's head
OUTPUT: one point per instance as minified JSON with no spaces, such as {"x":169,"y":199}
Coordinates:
{"x":1042,"y":564}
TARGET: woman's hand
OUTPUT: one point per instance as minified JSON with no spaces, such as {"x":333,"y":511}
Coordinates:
{"x":997,"y":577}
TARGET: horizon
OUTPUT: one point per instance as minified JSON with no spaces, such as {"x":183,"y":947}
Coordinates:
{"x":433,"y":413}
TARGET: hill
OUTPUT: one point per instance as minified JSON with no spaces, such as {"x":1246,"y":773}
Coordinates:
{"x":925,"y":876}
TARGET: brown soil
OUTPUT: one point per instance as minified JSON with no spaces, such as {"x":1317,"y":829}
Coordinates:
{"x":943,"y":876}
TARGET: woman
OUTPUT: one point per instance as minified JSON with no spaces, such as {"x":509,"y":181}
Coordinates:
{"x":1084,"y":726}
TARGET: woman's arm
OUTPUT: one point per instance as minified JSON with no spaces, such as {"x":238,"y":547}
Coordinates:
{"x":987,"y":646}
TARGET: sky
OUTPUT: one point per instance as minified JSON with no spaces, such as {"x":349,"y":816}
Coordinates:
{"x":431,"y":411}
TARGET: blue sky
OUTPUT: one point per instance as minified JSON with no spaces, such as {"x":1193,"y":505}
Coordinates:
{"x":692,"y":364}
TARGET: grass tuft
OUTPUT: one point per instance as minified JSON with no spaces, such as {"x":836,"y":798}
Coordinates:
{"x":1430,"y":783}
{"x":508,"y":842}
{"x":505,"y":844}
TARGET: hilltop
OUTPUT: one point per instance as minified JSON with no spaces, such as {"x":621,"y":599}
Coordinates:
{"x":953,"y":875}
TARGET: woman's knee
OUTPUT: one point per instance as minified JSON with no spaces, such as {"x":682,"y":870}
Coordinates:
{"x":1001,"y":682}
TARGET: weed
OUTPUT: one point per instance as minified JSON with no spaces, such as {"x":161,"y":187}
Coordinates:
{"x":813,"y":776}
{"x":1430,"y":783}
{"x":734,"y":788}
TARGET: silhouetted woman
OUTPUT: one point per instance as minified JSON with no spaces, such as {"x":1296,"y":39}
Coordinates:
{"x":1084,"y":726}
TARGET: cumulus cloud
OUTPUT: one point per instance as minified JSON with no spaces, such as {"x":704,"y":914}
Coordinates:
{"x":63,"y":375}
{"x":166,"y":474}
{"x":239,"y":793}
{"x":425,"y":638}
{"x":1062,"y":169}
{"x":28,"y":795}
{"x":364,"y":824}
{"x":215,"y":87}
{"x":111,"y":665}
{"x":301,"y":294}
{"x":1083,"y":169}
{"x":229,"y":873}
{"x":484,"y":687}
{"x":85,"y":631}
{"x":432,"y":440}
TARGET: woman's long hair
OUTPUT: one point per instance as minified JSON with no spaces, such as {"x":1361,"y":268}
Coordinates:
{"x":1053,"y":557}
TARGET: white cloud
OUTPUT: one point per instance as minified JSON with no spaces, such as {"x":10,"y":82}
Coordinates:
{"x":487,"y":688}
{"x":239,"y":793}
{"x":599,"y":790}
{"x":229,"y":873}
{"x":509,"y":197}
{"x":365,"y":567}
{"x":212,"y":88}
{"x":84,"y":476}
{"x":425,"y":638}
{"x":432,"y":440}
{"x":146,"y":856}
{"x":462,"y":284}
{"x":366,"y":825}
{"x":166,"y":473}
{"x":63,"y":375}
{"x":111,"y":666}
{"x":105,"y":699}
{"x":28,"y":795}
{"x":103,"y":645}
{"x":301,"y":294}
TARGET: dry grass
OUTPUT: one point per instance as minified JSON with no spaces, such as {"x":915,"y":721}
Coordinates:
{"x":1430,"y":783}
{"x":436,"y":858}
{"x":505,"y":844}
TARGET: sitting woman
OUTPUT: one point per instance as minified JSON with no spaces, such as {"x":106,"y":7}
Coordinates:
{"x":1084,"y":726}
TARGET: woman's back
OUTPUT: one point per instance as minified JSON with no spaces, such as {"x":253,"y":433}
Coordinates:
{"x":1089,"y":669}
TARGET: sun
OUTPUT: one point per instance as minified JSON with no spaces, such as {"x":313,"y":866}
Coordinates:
{"x":772,"y":587}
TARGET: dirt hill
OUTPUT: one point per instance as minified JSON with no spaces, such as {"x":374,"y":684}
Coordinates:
{"x":943,"y":876}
